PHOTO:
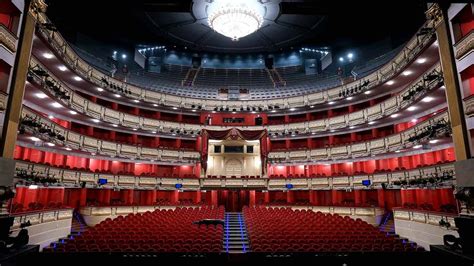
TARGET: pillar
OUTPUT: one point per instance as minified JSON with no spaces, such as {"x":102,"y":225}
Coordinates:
{"x":16,"y":89}
{"x":451,"y":82}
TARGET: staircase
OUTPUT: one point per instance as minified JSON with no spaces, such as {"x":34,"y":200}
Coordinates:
{"x":276,"y":78}
{"x":190,"y":77}
{"x":235,"y":233}
{"x":78,"y":224}
{"x":387,"y":225}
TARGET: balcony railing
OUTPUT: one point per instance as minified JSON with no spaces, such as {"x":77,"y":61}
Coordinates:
{"x":7,"y":39}
{"x":72,"y":178}
{"x":383,"y":109}
{"x":62,"y":48}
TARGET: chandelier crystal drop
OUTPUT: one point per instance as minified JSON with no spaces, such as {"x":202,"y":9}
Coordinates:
{"x":235,"y":20}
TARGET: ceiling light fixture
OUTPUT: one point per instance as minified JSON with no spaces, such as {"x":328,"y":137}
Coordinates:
{"x":47,"y":55}
{"x":41,"y":95}
{"x":56,"y":105}
{"x":407,"y":73}
{"x":235,"y":18}
{"x":411,"y":108}
{"x":73,"y":112}
{"x":427,"y":99}
{"x":421,"y":60}
{"x":35,"y":139}
{"x":390,"y":82}
{"x":99,"y":89}
{"x":62,"y":68}
{"x":367,"y":92}
{"x":77,"y":78}
{"x":394,"y":116}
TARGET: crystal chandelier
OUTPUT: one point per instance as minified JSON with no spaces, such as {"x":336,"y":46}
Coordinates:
{"x":235,"y":20}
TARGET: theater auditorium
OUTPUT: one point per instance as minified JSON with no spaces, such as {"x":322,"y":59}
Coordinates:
{"x":236,"y":131}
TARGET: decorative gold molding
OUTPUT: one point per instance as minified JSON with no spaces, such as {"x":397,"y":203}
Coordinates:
{"x":434,"y":14}
{"x":37,"y":7}
{"x":7,"y":39}
{"x":465,"y":46}
{"x":3,"y":102}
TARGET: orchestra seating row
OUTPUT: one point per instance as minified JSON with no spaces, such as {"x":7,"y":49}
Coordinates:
{"x":285,"y":230}
{"x":170,"y":231}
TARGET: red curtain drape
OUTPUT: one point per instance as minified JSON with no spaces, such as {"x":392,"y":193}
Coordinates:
{"x":234,"y":133}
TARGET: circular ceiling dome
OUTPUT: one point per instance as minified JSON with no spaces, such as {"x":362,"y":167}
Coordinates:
{"x":236,"y":26}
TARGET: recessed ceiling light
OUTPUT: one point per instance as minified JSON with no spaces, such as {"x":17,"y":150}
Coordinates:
{"x":390,"y":82}
{"x":47,"y":55}
{"x":50,"y":144}
{"x":137,"y":101}
{"x":95,"y":120}
{"x":367,"y":92}
{"x":411,"y":108}
{"x":77,"y":78}
{"x":292,"y":109}
{"x":427,"y":99}
{"x":371,"y":122}
{"x":62,"y":68}
{"x":253,"y":112}
{"x":117,"y":95}
{"x":34,"y":139}
{"x":433,"y":141}
{"x":100,"y":89}
{"x":114,"y":125}
{"x":56,"y":105}
{"x":397,"y":151}
{"x":313,"y":133}
{"x":407,"y":73}
{"x":194,"y":110}
{"x":214,"y":112}
{"x":135,"y":129}
{"x":73,"y":112}
{"x":174,"y":134}
{"x":349,"y":98}
{"x":417,"y":146}
{"x":351,"y":127}
{"x":414,"y":120}
{"x":273,"y":111}
{"x":155,"y":105}
{"x":154,"y":132}
{"x":50,"y":117}
{"x":421,"y":60}
{"x":234,"y":112}
{"x":330,"y":102}
{"x":68,"y":149}
{"x":41,"y":95}
{"x":394,"y":115}
{"x":312,"y":106}
{"x":175,"y":108}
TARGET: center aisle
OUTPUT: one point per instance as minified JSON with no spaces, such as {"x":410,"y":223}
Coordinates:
{"x":235,"y":233}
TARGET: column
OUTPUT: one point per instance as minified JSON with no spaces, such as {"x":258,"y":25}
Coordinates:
{"x":451,"y":82}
